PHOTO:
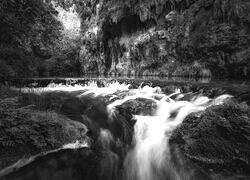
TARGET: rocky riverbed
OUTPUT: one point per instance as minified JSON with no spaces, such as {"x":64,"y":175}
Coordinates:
{"x":93,"y":131}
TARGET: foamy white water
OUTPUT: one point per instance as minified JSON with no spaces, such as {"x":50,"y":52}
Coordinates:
{"x":149,"y":158}
{"x":75,"y":145}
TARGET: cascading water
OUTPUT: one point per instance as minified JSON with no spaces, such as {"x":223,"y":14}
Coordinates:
{"x":149,"y":157}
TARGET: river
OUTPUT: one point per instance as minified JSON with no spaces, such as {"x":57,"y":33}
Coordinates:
{"x":154,"y":108}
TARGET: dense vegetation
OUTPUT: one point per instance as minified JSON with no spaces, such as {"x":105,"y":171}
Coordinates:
{"x":32,"y":41}
{"x":162,"y":37}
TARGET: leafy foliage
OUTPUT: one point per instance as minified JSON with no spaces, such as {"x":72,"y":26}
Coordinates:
{"x":30,"y":34}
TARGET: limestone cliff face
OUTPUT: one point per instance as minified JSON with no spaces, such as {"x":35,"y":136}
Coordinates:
{"x":180,"y":38}
{"x":218,"y":34}
{"x":126,"y":37}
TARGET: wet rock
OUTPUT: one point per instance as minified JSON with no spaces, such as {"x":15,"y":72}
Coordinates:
{"x":67,"y":164}
{"x":42,"y":100}
{"x":73,"y":108}
{"x":217,"y":139}
{"x":95,"y":110}
{"x":92,"y":112}
{"x":25,"y":132}
{"x":140,"y":106}
{"x":125,"y":124}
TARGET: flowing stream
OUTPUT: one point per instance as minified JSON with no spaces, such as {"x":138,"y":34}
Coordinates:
{"x":148,"y":157}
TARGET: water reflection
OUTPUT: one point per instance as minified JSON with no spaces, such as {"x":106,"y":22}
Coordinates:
{"x":162,"y":78}
{"x":232,"y":86}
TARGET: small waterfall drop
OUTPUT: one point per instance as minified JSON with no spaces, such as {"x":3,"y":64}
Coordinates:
{"x":149,"y":157}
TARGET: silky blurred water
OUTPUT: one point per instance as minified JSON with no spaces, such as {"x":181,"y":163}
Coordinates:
{"x":149,"y":156}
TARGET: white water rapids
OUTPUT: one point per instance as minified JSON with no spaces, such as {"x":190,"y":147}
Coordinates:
{"x":149,"y":154}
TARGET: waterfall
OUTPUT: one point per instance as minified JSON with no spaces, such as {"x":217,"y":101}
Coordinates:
{"x":148,"y":157}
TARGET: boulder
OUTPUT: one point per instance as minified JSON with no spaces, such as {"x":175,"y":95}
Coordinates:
{"x":218,"y":139}
{"x":139,"y":106}
{"x":66,"y":164}
{"x":25,"y":131}
{"x":73,"y":108}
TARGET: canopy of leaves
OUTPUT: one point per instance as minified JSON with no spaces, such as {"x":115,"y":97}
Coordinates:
{"x":30,"y":32}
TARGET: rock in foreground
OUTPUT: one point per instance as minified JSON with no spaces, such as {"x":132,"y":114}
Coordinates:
{"x":68,"y":164}
{"x":25,"y":132}
{"x":218,"y":139}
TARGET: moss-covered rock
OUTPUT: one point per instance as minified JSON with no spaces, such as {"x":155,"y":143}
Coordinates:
{"x":25,"y":131}
{"x":217,"y":139}
{"x":67,"y":164}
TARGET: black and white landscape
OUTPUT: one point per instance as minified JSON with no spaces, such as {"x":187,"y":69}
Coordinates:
{"x":124,"y":89}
